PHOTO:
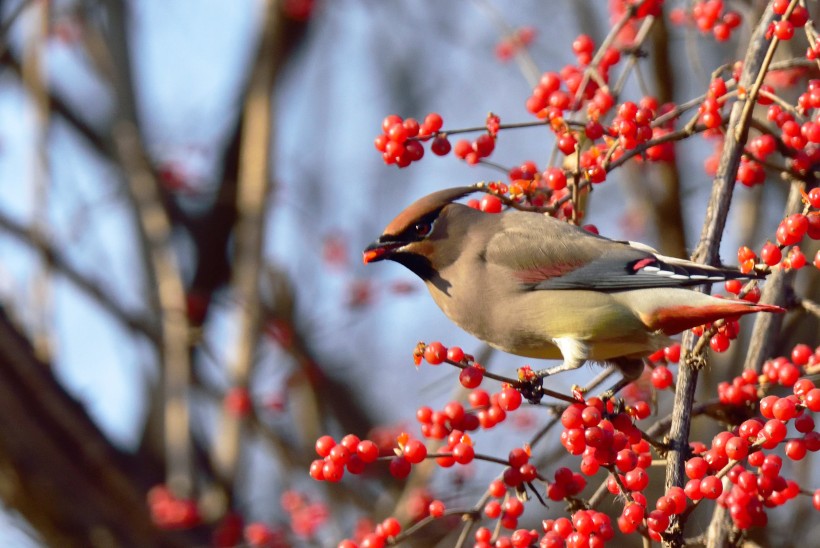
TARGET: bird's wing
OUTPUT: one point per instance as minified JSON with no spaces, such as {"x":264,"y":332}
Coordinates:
{"x":544,"y":253}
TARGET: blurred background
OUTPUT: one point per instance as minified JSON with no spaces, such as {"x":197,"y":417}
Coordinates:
{"x":185,"y":191}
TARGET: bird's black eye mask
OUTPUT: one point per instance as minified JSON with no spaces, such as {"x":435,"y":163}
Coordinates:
{"x":418,"y":231}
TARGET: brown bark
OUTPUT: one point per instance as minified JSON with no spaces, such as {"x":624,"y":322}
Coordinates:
{"x":59,"y":470}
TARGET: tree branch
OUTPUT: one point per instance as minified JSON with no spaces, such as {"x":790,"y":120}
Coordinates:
{"x":707,"y":252}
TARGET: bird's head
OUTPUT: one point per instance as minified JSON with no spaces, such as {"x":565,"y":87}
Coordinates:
{"x":417,"y":236}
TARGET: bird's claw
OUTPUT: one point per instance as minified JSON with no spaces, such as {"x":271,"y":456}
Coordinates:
{"x":532,"y":390}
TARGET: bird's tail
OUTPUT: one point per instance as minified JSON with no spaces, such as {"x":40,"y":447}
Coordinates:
{"x":670,"y":313}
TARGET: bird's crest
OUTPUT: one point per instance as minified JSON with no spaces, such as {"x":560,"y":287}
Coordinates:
{"x":430,"y":204}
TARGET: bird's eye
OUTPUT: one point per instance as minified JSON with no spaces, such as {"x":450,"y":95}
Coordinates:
{"x":423,"y":229}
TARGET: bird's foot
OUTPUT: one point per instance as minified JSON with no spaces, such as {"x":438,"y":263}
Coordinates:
{"x":618,"y":404}
{"x":532,"y":390}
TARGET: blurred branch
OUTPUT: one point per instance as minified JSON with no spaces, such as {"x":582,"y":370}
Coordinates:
{"x":667,"y":207}
{"x":253,"y":190}
{"x":52,"y":456}
{"x":165,"y":289}
{"x":526,"y":64}
{"x":7,"y":24}
{"x":707,"y":252}
{"x":93,"y":137}
{"x":34,"y":68}
{"x":92,"y":289}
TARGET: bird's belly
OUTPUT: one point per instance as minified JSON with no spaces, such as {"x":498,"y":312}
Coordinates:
{"x":526,"y":324}
{"x":599,"y":350}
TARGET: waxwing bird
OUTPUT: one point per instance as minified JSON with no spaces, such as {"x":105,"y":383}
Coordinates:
{"x":531,"y":285}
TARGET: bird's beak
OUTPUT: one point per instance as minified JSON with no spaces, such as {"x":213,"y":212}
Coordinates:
{"x":379,"y":250}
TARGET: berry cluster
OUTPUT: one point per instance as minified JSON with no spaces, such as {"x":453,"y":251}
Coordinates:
{"x":710,"y":17}
{"x":784,"y":28}
{"x":237,"y":401}
{"x":632,"y":123}
{"x":661,"y":377}
{"x":473,"y":151}
{"x":790,"y":232}
{"x":511,"y":45}
{"x":170,"y":512}
{"x":709,"y":110}
{"x":400,"y":140}
{"x":602,"y":441}
{"x":305,"y":517}
{"x":388,"y":529}
{"x":351,"y":453}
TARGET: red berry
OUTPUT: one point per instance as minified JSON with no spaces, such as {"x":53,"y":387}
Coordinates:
{"x":415,"y":451}
{"x":719,"y":342}
{"x":490,"y":204}
{"x":696,"y":468}
{"x":463,"y":453}
{"x":324,"y":445}
{"x":733,"y":286}
{"x":435,"y":353}
{"x":636,"y":479}
{"x":583,"y":44}
{"x":784,"y":30}
{"x":796,"y":449}
{"x":513,"y":507}
{"x":492,"y":509}
{"x":657,"y":521}
{"x":784,"y":409}
{"x":455,"y":354}
{"x":567,"y":143}
{"x":661,"y":378}
{"x":737,"y":448}
{"x":479,"y":399}
{"x":331,"y":471}
{"x":692,"y":489}
{"x":441,"y":146}
{"x":596,"y":174}
{"x":497,"y":489}
{"x":462,"y":148}
{"x":484,"y":145}
{"x":773,"y":432}
{"x":437,"y":509}
{"x":398,"y":133}
{"x":799,"y":16}
{"x":389,"y":121}
{"x":509,"y":399}
{"x":518,"y":457}
{"x":471,"y":377}
{"x":433,"y":122}
{"x":633,"y":513}
{"x":797,"y":224}
{"x":814,"y":197}
{"x":355,"y":464}
{"x":316,"y":470}
{"x":400,"y":467}
{"x":556,"y":178}
{"x":711,"y":487}
{"x":367,"y":450}
{"x":784,"y":237}
{"x":594,"y":130}
{"x":770,"y":254}
{"x":339,"y":454}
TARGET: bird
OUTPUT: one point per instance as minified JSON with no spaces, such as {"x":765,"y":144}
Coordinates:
{"x":532,"y":285}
